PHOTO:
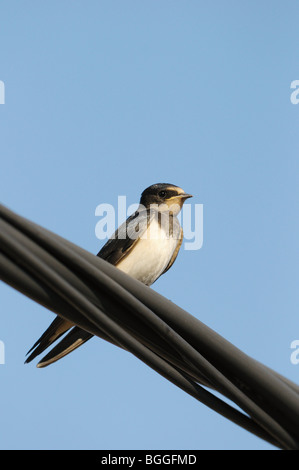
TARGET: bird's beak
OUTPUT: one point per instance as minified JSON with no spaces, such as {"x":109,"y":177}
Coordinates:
{"x":185,"y":196}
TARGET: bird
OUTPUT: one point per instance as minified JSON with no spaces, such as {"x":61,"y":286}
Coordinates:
{"x":145,"y":246}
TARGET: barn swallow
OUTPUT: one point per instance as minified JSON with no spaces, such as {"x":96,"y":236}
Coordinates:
{"x":145,"y":246}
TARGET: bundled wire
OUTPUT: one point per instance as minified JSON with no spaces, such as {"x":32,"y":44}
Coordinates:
{"x":104,"y":301}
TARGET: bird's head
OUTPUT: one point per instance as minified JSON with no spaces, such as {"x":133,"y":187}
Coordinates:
{"x":164,"y":197}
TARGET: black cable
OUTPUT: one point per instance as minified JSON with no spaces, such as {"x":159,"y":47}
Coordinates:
{"x":178,"y":346}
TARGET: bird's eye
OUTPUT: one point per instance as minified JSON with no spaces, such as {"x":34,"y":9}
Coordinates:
{"x":162,"y":194}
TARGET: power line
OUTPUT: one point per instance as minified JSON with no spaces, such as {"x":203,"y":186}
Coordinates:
{"x":106,"y":302}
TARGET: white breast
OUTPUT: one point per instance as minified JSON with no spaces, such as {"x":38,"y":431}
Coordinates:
{"x":150,"y":256}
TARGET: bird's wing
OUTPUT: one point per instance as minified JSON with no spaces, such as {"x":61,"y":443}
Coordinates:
{"x":116,"y":248}
{"x":126,"y":237}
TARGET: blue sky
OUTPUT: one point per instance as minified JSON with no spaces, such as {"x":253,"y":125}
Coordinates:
{"x":104,"y":98}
